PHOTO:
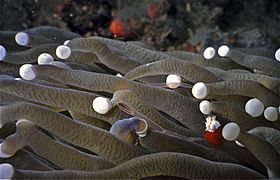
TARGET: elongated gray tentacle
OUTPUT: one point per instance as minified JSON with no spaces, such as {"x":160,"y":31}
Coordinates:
{"x":188,"y":71}
{"x":263,"y":151}
{"x":53,"y":33}
{"x":30,"y":55}
{"x":198,"y":59}
{"x":54,"y":151}
{"x":114,"y":61}
{"x":68,"y":99}
{"x":9,"y":69}
{"x":267,"y":65}
{"x":245,"y":88}
{"x":164,"y":164}
{"x":271,"y":135}
{"x":173,"y":144}
{"x":269,"y":82}
{"x":59,"y":125}
{"x":162,"y":99}
{"x":90,"y":120}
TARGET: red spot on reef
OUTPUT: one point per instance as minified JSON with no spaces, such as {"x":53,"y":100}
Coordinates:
{"x":153,"y":11}
{"x":215,"y":137}
{"x":117,"y":28}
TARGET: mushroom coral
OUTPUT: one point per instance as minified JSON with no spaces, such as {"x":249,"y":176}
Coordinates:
{"x":64,"y":113}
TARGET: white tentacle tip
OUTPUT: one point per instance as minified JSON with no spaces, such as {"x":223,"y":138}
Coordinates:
{"x":223,"y":50}
{"x":209,"y":53}
{"x":6,"y":171}
{"x":3,"y":52}
{"x":3,"y":154}
{"x":205,"y":107}
{"x":102,"y":105}
{"x":277,"y":55}
{"x":254,"y":107}
{"x":173,"y":81}
{"x":45,"y":58}
{"x":22,"y":38}
{"x":199,"y":90}
{"x":63,"y":52}
{"x":26,"y":72}
{"x":231,"y":131}
{"x":271,"y":113}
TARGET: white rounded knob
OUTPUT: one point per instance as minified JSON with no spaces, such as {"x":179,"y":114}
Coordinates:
{"x":22,"y":38}
{"x":209,"y":53}
{"x":231,"y":131}
{"x":271,"y":113}
{"x":26,"y":72}
{"x":205,"y":107}
{"x":101,"y":105}
{"x":199,"y":90}
{"x":173,"y":81}
{"x":223,"y":50}
{"x":254,"y":107}
{"x":45,"y":58}
{"x":63,"y":52}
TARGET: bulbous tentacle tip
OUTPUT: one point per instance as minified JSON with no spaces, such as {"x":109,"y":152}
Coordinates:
{"x":6,"y":171}
{"x":277,"y":55}
{"x":142,"y":129}
{"x":102,"y":105}
{"x":205,"y":107}
{"x":22,"y":38}
{"x":231,"y":131}
{"x":63,"y":52}
{"x":45,"y":58}
{"x":26,"y":72}
{"x":173,"y":81}
{"x":3,"y":154}
{"x":209,"y":53}
{"x":3,"y":52}
{"x":254,"y":107}
{"x":199,"y":90}
{"x":271,"y":113}
{"x":223,"y":50}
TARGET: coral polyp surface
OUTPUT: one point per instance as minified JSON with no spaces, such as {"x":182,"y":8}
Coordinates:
{"x":101,"y":108}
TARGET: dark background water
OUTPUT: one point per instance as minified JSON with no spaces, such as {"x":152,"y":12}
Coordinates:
{"x":166,"y":24}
